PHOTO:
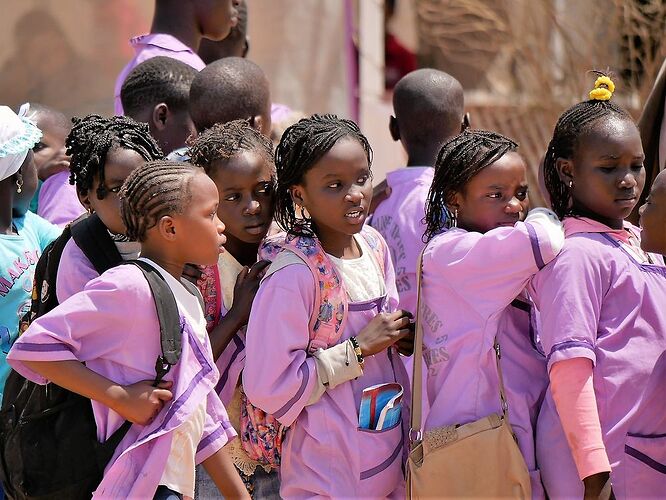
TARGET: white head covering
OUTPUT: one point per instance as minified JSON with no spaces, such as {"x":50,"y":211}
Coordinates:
{"x":17,"y":136}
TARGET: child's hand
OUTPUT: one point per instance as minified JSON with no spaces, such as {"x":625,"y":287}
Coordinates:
{"x":247,"y":284}
{"x":405,"y":345}
{"x":598,"y":486}
{"x":384,"y":330}
{"x":192,"y":273}
{"x":59,"y":162}
{"x":140,"y":402}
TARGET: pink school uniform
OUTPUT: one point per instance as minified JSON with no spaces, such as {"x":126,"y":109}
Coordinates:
{"x":399,"y":220}
{"x":597,"y":301}
{"x":645,"y":450}
{"x":324,"y":452}
{"x":152,"y":45}
{"x":525,"y":378}
{"x":113,"y":327}
{"x":75,"y":269}
{"x":58,"y":202}
{"x":469,"y":282}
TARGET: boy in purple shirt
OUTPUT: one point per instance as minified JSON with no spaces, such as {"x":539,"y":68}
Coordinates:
{"x":428,"y":107}
{"x":177,"y":30}
{"x":157,"y":92}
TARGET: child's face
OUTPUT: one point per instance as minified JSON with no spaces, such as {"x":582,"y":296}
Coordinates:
{"x":119,"y":164}
{"x":50,"y":157}
{"x":496,"y":196}
{"x":653,"y":218}
{"x":246,"y":197}
{"x":198,"y":228}
{"x":607,"y":171}
{"x":29,"y":175}
{"x":217,"y":17}
{"x":337,"y":190}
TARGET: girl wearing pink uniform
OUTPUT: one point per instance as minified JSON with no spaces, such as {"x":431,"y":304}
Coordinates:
{"x":112,"y":327}
{"x":482,"y":251}
{"x":323,"y":169}
{"x":239,"y":160}
{"x":602,"y":310}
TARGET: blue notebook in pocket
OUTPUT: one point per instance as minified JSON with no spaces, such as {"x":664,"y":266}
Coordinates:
{"x":381,"y":406}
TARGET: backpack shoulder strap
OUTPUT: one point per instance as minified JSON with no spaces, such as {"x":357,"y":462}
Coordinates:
{"x":94,"y":240}
{"x":44,"y":296}
{"x":376,"y":243}
{"x":169,"y":318}
{"x":329,"y":314}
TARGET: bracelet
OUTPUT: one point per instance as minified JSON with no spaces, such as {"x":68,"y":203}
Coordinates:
{"x":357,"y":350}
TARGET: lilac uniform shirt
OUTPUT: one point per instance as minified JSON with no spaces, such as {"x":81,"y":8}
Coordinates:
{"x":597,"y":302}
{"x":399,"y":220}
{"x":325,"y":453}
{"x":645,"y":448}
{"x":152,"y":45}
{"x":74,"y":271}
{"x":112,"y":326}
{"x":469,"y":282}
{"x":58,"y":202}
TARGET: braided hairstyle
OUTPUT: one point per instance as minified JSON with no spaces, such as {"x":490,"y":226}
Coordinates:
{"x":92,"y":138}
{"x":155,"y":189}
{"x":571,"y":125}
{"x":460,"y":159}
{"x":223,"y":141}
{"x":301,"y":146}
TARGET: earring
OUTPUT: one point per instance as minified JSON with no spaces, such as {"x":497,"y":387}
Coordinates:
{"x":303,"y":216}
{"x":454,"y":218}
{"x":571,"y":184}
{"x":19,"y":183}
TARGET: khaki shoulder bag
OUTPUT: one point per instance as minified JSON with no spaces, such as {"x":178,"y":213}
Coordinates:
{"x":478,"y":459}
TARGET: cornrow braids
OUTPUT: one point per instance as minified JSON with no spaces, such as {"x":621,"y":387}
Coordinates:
{"x":302,"y":145}
{"x":461,"y":158}
{"x":225,"y":140}
{"x":155,"y":189}
{"x":93,"y":137}
{"x":573,"y":123}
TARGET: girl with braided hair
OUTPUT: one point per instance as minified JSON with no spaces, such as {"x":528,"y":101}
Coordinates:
{"x":333,"y":329}
{"x":113,"y":327}
{"x":482,"y":249}
{"x":602,"y":308}
{"x":239,"y":159}
{"x":104,"y":151}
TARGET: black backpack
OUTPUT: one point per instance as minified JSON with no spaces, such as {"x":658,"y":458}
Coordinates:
{"x":48,"y":435}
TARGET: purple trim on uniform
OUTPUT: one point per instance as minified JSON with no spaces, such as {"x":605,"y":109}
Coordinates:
{"x":206,"y":368}
{"x":222,"y":429}
{"x":367,"y":305}
{"x":648,"y":268}
{"x":25,"y":346}
{"x":526,"y":307}
{"x":568,"y":345}
{"x":366,"y":474}
{"x":534,"y":241}
{"x":646,"y":436}
{"x":642,"y":457}
{"x":305,"y":370}
{"x":225,"y":374}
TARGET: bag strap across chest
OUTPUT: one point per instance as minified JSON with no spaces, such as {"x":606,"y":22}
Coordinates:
{"x":330,"y":311}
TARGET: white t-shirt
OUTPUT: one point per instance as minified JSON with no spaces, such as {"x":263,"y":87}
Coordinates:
{"x":362,"y":276}
{"x":179,"y":472}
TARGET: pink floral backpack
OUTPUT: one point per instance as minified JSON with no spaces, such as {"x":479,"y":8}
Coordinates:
{"x":261,"y":434}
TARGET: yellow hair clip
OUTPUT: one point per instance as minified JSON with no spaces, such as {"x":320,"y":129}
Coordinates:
{"x":603,"y":89}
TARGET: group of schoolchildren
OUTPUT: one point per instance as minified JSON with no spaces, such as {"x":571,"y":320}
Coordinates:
{"x":297,"y":292}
